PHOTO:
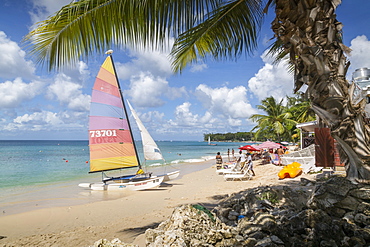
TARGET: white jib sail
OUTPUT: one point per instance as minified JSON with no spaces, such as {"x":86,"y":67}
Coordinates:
{"x":150,"y":148}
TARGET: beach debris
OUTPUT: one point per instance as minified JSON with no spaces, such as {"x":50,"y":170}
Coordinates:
{"x":334,"y":212}
{"x":114,"y":243}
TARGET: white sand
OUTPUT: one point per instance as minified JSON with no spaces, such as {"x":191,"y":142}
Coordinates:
{"x":126,"y":218}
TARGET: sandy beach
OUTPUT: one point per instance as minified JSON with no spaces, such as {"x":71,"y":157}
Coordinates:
{"x":128,"y":217}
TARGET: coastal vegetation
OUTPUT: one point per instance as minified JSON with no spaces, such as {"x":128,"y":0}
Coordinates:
{"x":280,"y":119}
{"x":307,"y":33}
{"x":231,"y":137}
{"x":277,"y":122}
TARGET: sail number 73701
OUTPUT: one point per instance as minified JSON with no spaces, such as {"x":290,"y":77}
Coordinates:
{"x":102,"y":133}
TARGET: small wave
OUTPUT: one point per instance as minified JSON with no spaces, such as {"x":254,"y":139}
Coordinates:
{"x":177,"y":161}
{"x":156,"y":164}
{"x":189,"y":160}
{"x":194,"y":160}
{"x":206,"y":158}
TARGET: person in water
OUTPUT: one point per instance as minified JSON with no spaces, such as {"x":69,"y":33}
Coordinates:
{"x":218,"y":160}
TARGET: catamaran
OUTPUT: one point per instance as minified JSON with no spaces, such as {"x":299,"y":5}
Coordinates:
{"x":111,"y":141}
{"x":209,"y":142}
{"x":150,"y":148}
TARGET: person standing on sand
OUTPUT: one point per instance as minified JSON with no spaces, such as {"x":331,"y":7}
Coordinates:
{"x":250,"y":164}
{"x":228,"y":154}
{"x":232,"y":153}
{"x":218,"y":160}
{"x":280,"y":152}
{"x":242,"y":159}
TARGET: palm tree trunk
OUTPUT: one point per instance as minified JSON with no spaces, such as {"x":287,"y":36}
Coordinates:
{"x":311,"y":34}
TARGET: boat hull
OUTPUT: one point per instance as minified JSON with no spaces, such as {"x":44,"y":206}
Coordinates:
{"x":150,"y":183}
{"x":170,"y":176}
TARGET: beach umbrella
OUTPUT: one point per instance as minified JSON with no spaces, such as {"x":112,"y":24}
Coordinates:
{"x":255,"y":146}
{"x":269,"y":144}
{"x":249,"y":148}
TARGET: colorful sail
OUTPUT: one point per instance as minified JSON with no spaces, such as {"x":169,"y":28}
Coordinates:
{"x":110,"y":138}
{"x":150,"y":148}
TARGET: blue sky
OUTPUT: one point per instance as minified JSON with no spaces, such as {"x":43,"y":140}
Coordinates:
{"x":210,"y":97}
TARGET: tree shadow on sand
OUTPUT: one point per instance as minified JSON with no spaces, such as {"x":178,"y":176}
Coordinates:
{"x":136,"y":231}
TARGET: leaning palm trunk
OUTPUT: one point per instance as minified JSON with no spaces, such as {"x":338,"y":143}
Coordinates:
{"x":311,"y":35}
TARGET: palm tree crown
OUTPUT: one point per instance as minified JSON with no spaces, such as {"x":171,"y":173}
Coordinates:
{"x":277,"y":121}
{"x":224,"y":29}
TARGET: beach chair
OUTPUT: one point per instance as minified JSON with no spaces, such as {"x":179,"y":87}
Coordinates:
{"x":236,"y":170}
{"x":238,"y":176}
{"x":232,"y":168}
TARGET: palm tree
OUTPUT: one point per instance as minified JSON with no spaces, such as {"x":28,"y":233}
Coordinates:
{"x":307,"y":32}
{"x":277,"y":120}
{"x":300,"y":108}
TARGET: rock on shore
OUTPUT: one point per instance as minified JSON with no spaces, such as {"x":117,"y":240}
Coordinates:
{"x":331,"y":213}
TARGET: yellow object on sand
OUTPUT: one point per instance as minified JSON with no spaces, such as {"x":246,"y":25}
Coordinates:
{"x":290,"y":171}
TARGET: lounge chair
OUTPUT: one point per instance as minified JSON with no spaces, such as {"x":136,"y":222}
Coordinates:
{"x":236,"y":170}
{"x":238,"y":176}
{"x":232,"y":168}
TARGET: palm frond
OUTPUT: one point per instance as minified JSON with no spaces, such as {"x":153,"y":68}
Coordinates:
{"x":70,"y":33}
{"x":83,"y":27}
{"x":226,"y":33}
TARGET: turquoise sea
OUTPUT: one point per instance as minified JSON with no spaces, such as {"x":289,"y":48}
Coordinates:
{"x":37,"y":174}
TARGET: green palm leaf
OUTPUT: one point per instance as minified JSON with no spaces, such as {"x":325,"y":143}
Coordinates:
{"x":87,"y":26}
{"x":226,"y":33}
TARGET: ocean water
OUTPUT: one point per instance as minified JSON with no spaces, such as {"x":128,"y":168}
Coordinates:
{"x":36,"y":174}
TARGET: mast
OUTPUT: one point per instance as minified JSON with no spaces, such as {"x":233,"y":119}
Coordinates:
{"x":109,"y":52}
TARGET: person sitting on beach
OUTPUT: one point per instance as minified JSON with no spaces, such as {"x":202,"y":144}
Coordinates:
{"x":250,"y":164}
{"x":218,"y":160}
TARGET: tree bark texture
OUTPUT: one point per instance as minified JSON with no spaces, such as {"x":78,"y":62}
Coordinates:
{"x":311,"y":35}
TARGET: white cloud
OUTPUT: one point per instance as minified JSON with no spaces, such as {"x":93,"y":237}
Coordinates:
{"x":68,"y":93}
{"x":39,"y":118}
{"x":78,"y":74}
{"x":227,"y":109}
{"x":184,"y":117}
{"x":43,"y":8}
{"x":271,"y":80}
{"x":198,"y":67}
{"x":152,"y":120}
{"x":151,"y":116}
{"x":14,"y":93}
{"x":359,"y":56}
{"x":154,"y":62}
{"x":146,"y":90}
{"x":12,"y":60}
{"x":226,"y":102}
{"x":47,"y":121}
